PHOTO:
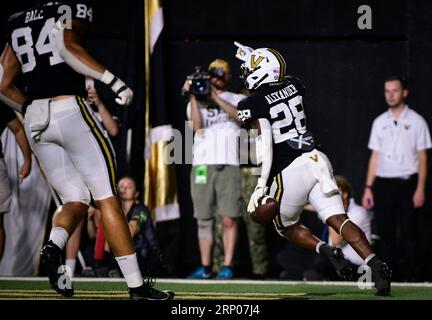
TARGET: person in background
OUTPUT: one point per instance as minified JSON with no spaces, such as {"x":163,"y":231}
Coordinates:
{"x":256,"y":233}
{"x":396,"y":178}
{"x":8,"y":119}
{"x":109,"y":121}
{"x":142,"y":229}
{"x":321,"y":268}
{"x":215,"y":174}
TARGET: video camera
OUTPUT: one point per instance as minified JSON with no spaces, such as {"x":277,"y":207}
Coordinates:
{"x":200,"y":81}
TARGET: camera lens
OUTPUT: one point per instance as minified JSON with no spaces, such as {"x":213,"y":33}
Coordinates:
{"x":199,"y":83}
{"x":200,"y":87}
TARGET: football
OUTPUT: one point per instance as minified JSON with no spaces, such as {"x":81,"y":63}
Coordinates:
{"x":266,"y":211}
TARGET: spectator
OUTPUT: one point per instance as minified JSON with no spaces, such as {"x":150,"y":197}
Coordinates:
{"x":142,"y":230}
{"x":256,"y":233}
{"x":215,"y":176}
{"x":9,"y":119}
{"x":97,"y":252}
{"x":396,"y":177}
{"x":103,"y":114}
{"x":321,"y":268}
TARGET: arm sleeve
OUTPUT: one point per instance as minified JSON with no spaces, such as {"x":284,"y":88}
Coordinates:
{"x":423,"y":136}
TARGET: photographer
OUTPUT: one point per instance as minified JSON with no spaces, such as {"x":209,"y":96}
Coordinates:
{"x":215,"y":176}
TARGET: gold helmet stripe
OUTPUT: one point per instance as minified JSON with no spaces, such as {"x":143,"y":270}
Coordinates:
{"x":282,"y":63}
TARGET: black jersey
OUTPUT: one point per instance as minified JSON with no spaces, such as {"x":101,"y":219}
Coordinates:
{"x":282,"y":106}
{"x":44,"y":72}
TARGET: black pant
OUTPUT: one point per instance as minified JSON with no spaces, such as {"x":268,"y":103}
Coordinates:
{"x":396,"y":222}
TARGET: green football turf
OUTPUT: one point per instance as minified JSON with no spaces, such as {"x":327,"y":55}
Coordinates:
{"x":11,"y":289}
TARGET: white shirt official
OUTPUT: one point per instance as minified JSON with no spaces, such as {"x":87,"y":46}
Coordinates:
{"x":398,"y":142}
{"x":217,"y":142}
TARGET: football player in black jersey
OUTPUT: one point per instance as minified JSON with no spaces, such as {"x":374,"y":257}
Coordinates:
{"x":293,"y":171}
{"x":46,"y":45}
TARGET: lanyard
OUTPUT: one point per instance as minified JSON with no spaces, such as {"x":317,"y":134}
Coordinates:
{"x":395,"y":132}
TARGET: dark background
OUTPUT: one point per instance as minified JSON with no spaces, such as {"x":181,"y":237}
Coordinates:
{"x":342,"y":67}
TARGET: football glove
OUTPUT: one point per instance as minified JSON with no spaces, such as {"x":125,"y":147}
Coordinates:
{"x":121,"y":90}
{"x":260,"y":191}
{"x":242,"y":51}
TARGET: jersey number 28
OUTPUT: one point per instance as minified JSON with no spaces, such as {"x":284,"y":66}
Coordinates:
{"x":290,"y":119}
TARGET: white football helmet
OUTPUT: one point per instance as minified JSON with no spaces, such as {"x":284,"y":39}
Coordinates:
{"x":263,"y":66}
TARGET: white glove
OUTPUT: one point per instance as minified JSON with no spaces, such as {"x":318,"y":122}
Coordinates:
{"x":260,"y":191}
{"x":124,"y":93}
{"x":243,"y":52}
{"x":124,"y":98}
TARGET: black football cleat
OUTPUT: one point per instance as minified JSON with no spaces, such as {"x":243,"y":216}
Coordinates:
{"x":60,"y":281}
{"x":170,"y":293}
{"x":381,"y":275}
{"x":343,"y":268}
{"x":147,"y":292}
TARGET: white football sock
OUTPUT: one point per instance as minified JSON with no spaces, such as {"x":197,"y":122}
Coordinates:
{"x":71,"y":263}
{"x":59,"y":236}
{"x":130,"y":269}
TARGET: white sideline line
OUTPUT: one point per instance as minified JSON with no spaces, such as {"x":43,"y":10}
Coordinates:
{"x":257,"y":282}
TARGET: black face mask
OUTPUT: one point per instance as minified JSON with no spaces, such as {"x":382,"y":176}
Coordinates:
{"x":245,"y":72}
